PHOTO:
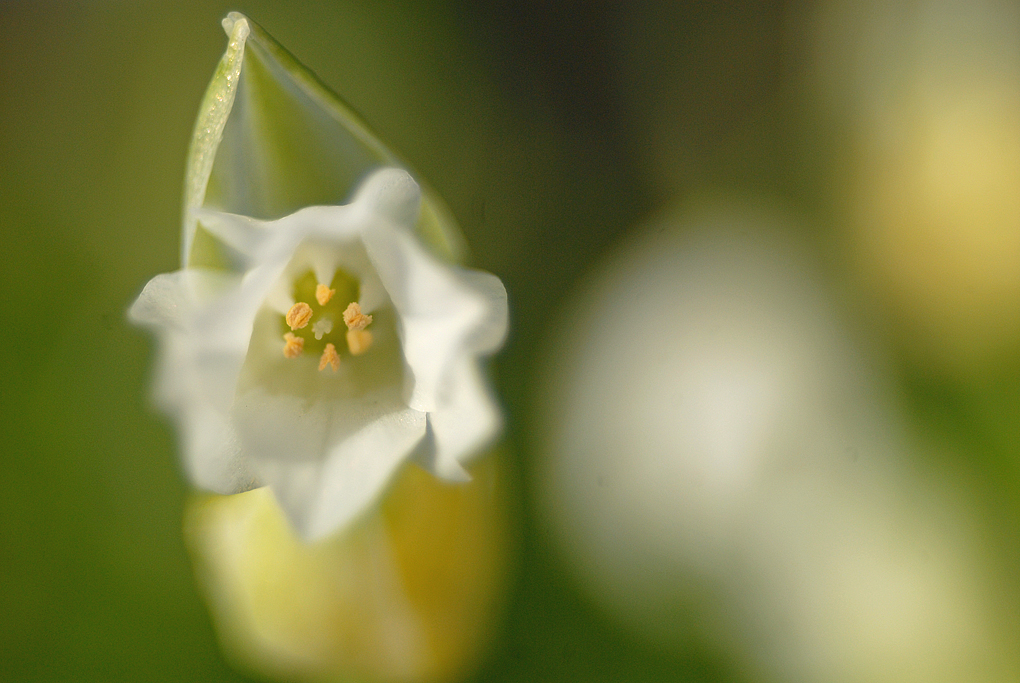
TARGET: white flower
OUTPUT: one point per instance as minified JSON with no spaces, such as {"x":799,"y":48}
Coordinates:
{"x":336,"y":349}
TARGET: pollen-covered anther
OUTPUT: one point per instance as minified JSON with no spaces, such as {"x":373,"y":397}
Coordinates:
{"x":323,"y":294}
{"x":299,"y":315}
{"x":354,"y":318}
{"x":330,"y":358}
{"x":358,"y":341}
{"x":293,"y":345}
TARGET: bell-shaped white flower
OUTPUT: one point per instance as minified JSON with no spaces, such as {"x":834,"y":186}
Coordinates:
{"x":340,"y":349}
{"x":319,"y":351}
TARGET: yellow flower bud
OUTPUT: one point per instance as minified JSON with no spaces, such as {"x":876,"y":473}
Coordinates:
{"x":407,"y":593}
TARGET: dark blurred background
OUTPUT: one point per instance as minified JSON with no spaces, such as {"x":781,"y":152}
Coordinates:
{"x":551,"y":128}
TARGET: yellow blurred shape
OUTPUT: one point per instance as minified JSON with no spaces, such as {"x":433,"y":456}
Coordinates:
{"x":928,"y":97}
{"x":938,"y":219}
{"x":408,"y":594}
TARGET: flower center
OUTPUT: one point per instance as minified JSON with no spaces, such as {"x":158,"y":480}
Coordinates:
{"x":310,"y":323}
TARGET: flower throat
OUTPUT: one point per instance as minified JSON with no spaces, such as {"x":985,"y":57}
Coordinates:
{"x":312,"y":325}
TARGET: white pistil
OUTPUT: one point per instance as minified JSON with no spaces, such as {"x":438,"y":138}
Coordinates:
{"x":322,"y":327}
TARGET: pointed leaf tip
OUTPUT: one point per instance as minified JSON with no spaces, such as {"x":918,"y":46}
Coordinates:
{"x":272,"y":138}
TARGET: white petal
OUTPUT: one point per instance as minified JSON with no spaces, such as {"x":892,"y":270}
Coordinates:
{"x":196,"y":386}
{"x":390,"y":194}
{"x":342,"y":223}
{"x":225,"y":324}
{"x":490,"y":333}
{"x":212,"y":455}
{"x":439,"y":310}
{"x":247,"y":236}
{"x":162,"y":303}
{"x":466,"y":422}
{"x":168,"y":300}
{"x":189,"y":375}
{"x":322,"y":495}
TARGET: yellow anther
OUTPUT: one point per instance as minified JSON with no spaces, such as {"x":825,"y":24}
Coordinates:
{"x":354,"y":318}
{"x":323,"y":294}
{"x":299,"y":315}
{"x":293,"y":346}
{"x":330,"y":358}
{"x":359,"y":341}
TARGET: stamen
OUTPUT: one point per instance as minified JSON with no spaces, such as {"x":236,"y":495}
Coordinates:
{"x":321,"y":327}
{"x":359,"y":341}
{"x":354,"y":318}
{"x":330,"y":358}
{"x":323,"y":294}
{"x":293,"y":346}
{"x":299,"y":315}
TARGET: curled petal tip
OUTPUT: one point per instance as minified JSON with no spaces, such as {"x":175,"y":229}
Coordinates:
{"x":392,"y":192}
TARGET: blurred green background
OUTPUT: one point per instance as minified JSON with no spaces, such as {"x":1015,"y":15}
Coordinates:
{"x":550,"y":128}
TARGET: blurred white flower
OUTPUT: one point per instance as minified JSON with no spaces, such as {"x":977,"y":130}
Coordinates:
{"x":338,"y":350}
{"x":719,"y":460}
